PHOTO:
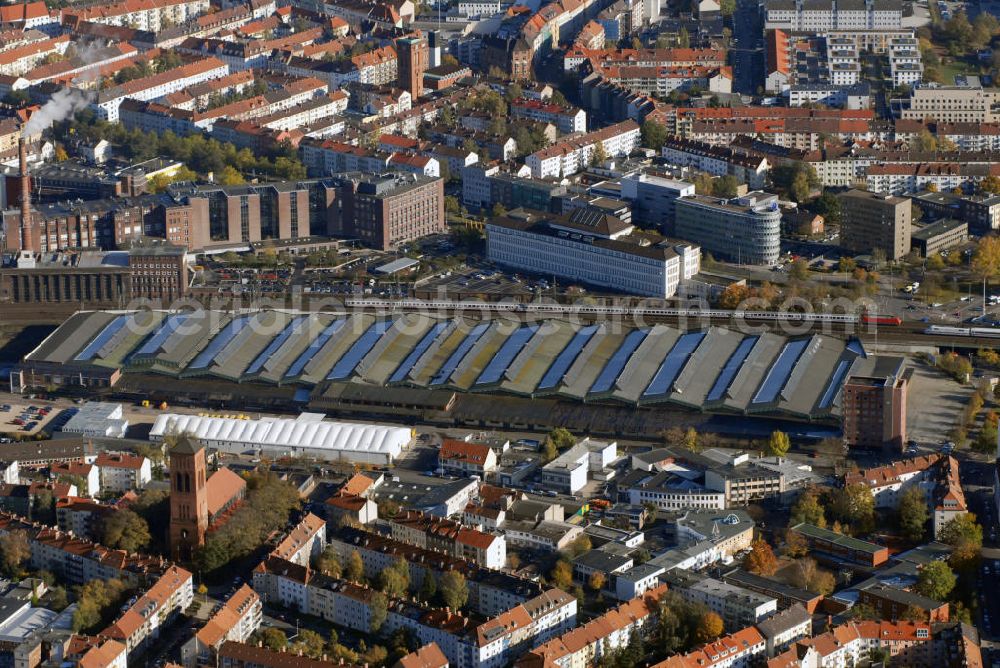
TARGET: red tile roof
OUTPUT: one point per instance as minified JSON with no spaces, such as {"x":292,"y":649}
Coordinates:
{"x":463,"y":451}
{"x":222,"y":488}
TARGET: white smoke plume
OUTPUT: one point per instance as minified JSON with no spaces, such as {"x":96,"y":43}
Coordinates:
{"x":61,"y":105}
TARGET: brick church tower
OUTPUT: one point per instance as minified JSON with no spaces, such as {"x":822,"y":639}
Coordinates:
{"x":188,"y":498}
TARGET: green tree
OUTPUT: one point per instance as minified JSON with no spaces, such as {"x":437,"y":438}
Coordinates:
{"x":725,"y":187}
{"x":562,"y":438}
{"x":913,"y":514}
{"x":125,"y":530}
{"x":274,"y":639}
{"x":395,"y":579}
{"x":599,"y":155}
{"x":596,"y":581}
{"x":355,"y":570}
{"x":428,"y":587}
{"x":936,"y":581}
{"x":854,"y":505}
{"x":451,"y":205}
{"x":965,"y":535}
{"x":779,"y":444}
{"x":378,"y":611}
{"x":828,"y":206}
{"x":310,"y":643}
{"x":454,"y":591}
{"x":808,"y":509}
{"x":799,"y":270}
{"x":328,"y":563}
{"x":549,"y":451}
{"x":683,"y":39}
{"x":230,"y":176}
{"x":579,"y":546}
{"x":654,"y":134}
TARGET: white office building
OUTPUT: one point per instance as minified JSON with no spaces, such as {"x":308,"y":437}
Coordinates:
{"x":593,"y":248}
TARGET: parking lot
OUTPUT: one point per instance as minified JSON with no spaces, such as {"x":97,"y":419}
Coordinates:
{"x":25,"y":419}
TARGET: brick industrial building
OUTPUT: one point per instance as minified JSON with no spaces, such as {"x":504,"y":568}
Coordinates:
{"x":874,"y":408}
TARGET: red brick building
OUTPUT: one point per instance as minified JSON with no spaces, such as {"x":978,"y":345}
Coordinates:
{"x":874,"y":411}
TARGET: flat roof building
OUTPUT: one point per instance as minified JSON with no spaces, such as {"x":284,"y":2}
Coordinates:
{"x":871,"y":221}
{"x":746,"y":230}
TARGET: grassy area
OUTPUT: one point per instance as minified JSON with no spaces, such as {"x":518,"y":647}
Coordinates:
{"x":954,"y":68}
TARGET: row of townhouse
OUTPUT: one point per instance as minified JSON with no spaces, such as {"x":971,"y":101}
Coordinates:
{"x":798,"y":133}
{"x":64,"y":71}
{"x":145,"y":619}
{"x":426,"y":531}
{"x":681,"y":121}
{"x":152,"y":15}
{"x":198,"y":96}
{"x":587,"y":645}
{"x":158,"y":85}
{"x":649,"y":57}
{"x":78,"y":561}
{"x":234,"y":621}
{"x":466,"y":644}
{"x":329,"y":156}
{"x":15,"y":62}
{"x":719,"y":160}
{"x":662,"y":80}
{"x":378,"y":67}
{"x":965,"y":136}
{"x":908,"y":644}
{"x":574,"y":153}
{"x":566,"y":118}
{"x":304,"y":542}
{"x":899,"y":179}
{"x":490,"y":591}
{"x":249,"y":54}
{"x":936,"y":476}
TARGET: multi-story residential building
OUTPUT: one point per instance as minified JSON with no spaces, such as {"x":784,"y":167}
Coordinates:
{"x":718,"y":160}
{"x":120,"y":472}
{"x":875,"y":221}
{"x":235,"y":621}
{"x":838,"y":548}
{"x":157,"y":85}
{"x":893,"y":603}
{"x":467,"y":458}
{"x":567,"y":119}
{"x":746,"y":230}
{"x":742,"y":649}
{"x":151,"y":15}
{"x":952,"y":104}
{"x":583,"y":245}
{"x":304,"y":542}
{"x":786,"y":627}
{"x":426,"y":531}
{"x":937,"y":477}
{"x":20,"y":59}
{"x":491,"y":644}
{"x":572,"y":154}
{"x":543,"y":535}
{"x":588,"y":644}
{"x":490,"y":591}
{"x":144,"y":620}
{"x":901,"y":179}
{"x":828,"y":15}
{"x":88,"y":475}
{"x":873,"y":409}
{"x":736,"y":606}
{"x":81,"y":516}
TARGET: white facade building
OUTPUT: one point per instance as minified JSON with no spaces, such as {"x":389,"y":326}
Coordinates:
{"x":573,"y":154}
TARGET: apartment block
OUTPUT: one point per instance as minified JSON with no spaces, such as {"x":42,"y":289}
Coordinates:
{"x":433,"y":533}
{"x":738,"y":607}
{"x":873,"y":410}
{"x":573,"y":154}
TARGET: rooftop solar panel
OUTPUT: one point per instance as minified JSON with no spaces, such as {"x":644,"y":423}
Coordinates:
{"x":565,"y":359}
{"x":261,"y":359}
{"x":609,"y":374}
{"x":169,"y":326}
{"x":215,"y":346}
{"x":495,"y":370}
{"x":779,"y":371}
{"x":836,"y":380}
{"x":673,"y":363}
{"x":346,"y":365}
{"x":444,"y":373}
{"x":732,"y":367}
{"x":300,"y":363}
{"x":101,"y":339}
{"x":403,"y":370}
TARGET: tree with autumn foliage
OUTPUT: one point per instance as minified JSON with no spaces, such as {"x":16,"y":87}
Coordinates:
{"x":761,"y":559}
{"x":709,"y":627}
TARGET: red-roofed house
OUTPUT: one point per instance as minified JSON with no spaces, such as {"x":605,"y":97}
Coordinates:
{"x":342,"y":507}
{"x":94,"y":652}
{"x":121,"y":472}
{"x":169,"y":595}
{"x":465,"y":458}
{"x":428,"y":656}
{"x":304,"y":542}
{"x":235,"y":621}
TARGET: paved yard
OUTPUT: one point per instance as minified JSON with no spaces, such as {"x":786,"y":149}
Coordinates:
{"x":934,"y":404}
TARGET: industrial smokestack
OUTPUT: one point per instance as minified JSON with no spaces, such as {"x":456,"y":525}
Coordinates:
{"x":27,"y":236}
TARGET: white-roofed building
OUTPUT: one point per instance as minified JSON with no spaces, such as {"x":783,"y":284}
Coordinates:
{"x":308,"y":435}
